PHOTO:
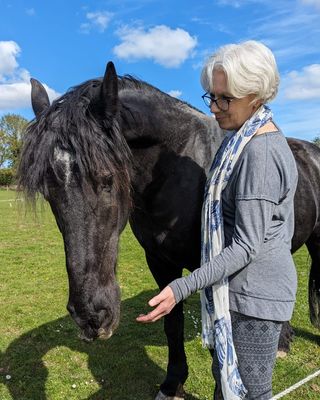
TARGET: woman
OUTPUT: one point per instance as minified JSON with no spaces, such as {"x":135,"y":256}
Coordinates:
{"x":247,"y":272}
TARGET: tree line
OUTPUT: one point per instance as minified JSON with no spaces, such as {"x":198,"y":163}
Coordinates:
{"x":12,"y":128}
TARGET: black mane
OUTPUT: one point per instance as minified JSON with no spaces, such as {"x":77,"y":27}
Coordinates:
{"x":70,"y":124}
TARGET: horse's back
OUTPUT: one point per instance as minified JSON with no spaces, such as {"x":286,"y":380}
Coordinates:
{"x":307,"y":198}
{"x":306,"y":153}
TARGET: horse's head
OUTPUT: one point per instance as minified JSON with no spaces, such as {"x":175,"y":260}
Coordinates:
{"x":76,"y":157}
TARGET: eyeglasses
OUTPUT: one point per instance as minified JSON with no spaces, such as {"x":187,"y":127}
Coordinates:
{"x":222,"y":103}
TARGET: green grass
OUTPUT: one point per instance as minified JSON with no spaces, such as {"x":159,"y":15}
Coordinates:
{"x":39,"y":347}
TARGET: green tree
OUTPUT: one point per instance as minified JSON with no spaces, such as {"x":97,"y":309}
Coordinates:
{"x":316,"y":140}
{"x":3,"y":148}
{"x":12,"y":127}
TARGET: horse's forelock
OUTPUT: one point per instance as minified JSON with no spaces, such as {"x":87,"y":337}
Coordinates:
{"x":69,"y":124}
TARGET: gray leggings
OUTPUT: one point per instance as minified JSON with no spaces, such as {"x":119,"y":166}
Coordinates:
{"x":256,"y":345}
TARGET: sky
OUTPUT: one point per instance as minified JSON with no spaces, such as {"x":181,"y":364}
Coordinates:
{"x":63,"y":43}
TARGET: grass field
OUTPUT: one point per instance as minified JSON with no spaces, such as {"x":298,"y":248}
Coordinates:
{"x":41,"y":357}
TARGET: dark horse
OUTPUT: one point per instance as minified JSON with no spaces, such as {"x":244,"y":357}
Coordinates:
{"x":117,"y":148}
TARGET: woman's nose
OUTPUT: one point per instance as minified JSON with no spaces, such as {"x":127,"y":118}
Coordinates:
{"x":213,"y":107}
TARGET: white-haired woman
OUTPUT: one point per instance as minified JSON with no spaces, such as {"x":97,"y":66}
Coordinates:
{"x":247,"y":272}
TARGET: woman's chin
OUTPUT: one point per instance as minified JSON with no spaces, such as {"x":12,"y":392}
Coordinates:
{"x":223,"y":124}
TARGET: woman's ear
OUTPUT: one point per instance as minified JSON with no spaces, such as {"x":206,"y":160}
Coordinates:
{"x":257,"y":103}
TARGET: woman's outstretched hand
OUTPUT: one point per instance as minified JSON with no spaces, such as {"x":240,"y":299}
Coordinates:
{"x":164,"y":303}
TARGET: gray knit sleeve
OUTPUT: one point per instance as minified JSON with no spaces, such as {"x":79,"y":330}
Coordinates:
{"x":252,"y":220}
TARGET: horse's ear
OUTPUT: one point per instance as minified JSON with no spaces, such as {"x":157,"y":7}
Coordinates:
{"x":39,"y":98}
{"x":109,"y":90}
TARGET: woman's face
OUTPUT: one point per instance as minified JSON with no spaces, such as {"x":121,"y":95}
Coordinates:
{"x":239,"y":109}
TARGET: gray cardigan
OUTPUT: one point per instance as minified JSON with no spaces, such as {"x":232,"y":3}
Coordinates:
{"x":258,"y":218}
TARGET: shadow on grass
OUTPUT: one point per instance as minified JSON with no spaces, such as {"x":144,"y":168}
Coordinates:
{"x":120,"y":365}
{"x":311,"y":337}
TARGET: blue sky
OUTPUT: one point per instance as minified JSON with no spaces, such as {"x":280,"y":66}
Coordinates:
{"x":65,"y":42}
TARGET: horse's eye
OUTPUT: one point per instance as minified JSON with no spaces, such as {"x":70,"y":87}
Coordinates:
{"x":107,"y":182}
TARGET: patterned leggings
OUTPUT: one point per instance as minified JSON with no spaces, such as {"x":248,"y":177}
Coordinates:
{"x":256,"y":344}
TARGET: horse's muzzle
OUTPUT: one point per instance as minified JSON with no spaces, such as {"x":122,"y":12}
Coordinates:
{"x":102,"y":334}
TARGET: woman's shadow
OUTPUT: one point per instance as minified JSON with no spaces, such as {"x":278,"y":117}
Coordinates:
{"x":117,"y":364}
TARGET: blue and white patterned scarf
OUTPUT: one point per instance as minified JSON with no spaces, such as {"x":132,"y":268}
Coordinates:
{"x":216,"y":320}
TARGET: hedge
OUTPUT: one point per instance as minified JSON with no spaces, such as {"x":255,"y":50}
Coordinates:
{"x":7,"y":177}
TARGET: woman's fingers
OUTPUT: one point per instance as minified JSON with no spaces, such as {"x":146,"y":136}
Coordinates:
{"x":152,"y":316}
{"x":165,"y":294}
{"x":164,"y":301}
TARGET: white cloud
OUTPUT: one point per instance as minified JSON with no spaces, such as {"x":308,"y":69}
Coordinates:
{"x":15,"y":88}
{"x":286,"y":23}
{"x":15,"y":95}
{"x":167,"y":47}
{"x":315,"y":3}
{"x":235,"y":4}
{"x":175,"y":93}
{"x":240,"y":3}
{"x":304,"y":84}
{"x":18,"y":95}
{"x":300,"y":120}
{"x":292,"y":34}
{"x":8,"y":52}
{"x":99,"y":20}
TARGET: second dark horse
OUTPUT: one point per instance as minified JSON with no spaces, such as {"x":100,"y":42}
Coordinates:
{"x":116,"y":148}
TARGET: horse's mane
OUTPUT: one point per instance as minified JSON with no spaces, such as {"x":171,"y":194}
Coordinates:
{"x":70,"y":124}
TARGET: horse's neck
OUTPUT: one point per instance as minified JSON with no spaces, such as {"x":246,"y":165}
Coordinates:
{"x":153,"y":131}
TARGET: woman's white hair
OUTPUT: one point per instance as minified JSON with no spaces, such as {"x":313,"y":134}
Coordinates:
{"x":250,"y":68}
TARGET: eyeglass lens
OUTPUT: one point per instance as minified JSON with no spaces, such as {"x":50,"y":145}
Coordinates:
{"x":222,"y":104}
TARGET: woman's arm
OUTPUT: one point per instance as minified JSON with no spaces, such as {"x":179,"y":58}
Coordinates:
{"x":252,"y":220}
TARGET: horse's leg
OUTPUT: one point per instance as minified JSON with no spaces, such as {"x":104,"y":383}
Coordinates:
{"x":286,"y":337}
{"x":313,"y":245}
{"x":177,"y":369}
